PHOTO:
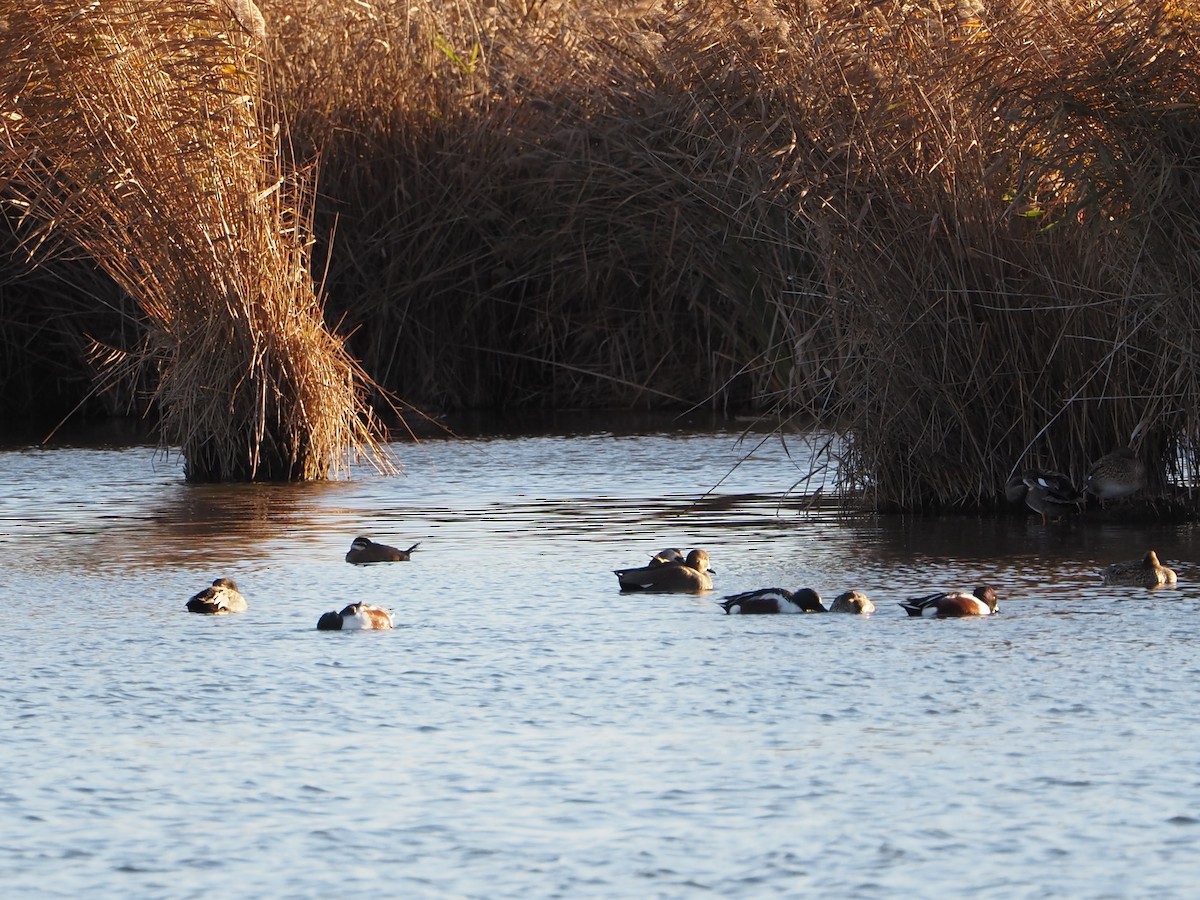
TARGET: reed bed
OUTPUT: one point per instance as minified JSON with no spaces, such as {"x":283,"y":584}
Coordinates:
{"x":963,"y":235}
{"x":138,"y":132}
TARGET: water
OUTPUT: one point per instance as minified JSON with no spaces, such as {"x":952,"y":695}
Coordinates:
{"x":527,"y":730}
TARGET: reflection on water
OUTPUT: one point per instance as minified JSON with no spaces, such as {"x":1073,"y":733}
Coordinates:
{"x":529,"y":730}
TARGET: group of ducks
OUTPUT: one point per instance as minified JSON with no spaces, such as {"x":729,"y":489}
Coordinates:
{"x":671,"y":571}
{"x":1053,"y":495}
{"x":222,"y":597}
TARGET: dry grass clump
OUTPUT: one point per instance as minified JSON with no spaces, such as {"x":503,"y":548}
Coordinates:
{"x":1012,"y":241}
{"x":137,"y":132}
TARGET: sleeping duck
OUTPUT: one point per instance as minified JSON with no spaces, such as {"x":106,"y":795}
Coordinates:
{"x":356,"y":617}
{"x":220,"y":599}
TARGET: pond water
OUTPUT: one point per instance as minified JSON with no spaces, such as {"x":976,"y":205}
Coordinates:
{"x":529,"y":731}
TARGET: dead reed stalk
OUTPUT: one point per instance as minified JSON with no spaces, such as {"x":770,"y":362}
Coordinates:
{"x":139,"y":132}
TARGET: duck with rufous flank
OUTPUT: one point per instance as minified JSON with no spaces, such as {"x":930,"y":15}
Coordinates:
{"x":953,"y":604}
{"x":769,"y":601}
{"x":356,"y":617}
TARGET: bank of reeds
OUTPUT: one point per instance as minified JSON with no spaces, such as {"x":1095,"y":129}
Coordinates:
{"x":137,"y":132}
{"x":963,"y":235}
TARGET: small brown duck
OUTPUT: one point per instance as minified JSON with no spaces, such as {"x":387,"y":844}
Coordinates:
{"x":953,"y":604}
{"x":854,"y":602}
{"x":364,"y":550}
{"x":1116,"y":475}
{"x":1146,"y":572}
{"x":356,"y":617}
{"x":689,"y":576}
{"x":220,"y":599}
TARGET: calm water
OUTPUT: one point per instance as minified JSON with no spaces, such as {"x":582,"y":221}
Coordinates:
{"x":528,"y":731}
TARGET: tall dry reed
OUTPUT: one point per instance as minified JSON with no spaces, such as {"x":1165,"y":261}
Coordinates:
{"x":139,"y":132}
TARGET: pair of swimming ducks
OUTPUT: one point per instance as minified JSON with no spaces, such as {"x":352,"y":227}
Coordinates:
{"x":222,"y":597}
{"x":669,"y":570}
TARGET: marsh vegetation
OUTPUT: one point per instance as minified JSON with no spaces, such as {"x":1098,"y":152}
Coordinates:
{"x":963,"y":235}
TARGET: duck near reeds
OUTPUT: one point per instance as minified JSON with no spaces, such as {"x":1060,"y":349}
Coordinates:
{"x":364,"y":550}
{"x":689,"y":576}
{"x":1116,"y":475}
{"x":1144,"y":572}
{"x":220,"y":598}
{"x":953,"y":604}
{"x":1051,"y":494}
{"x":356,"y":617}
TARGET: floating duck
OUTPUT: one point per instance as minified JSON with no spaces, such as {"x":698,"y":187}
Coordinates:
{"x":854,"y":602}
{"x":220,"y":599}
{"x":1145,"y":572}
{"x":766,"y":601}
{"x":689,"y":576}
{"x":356,"y":617}
{"x":364,"y":550}
{"x":982,"y":602}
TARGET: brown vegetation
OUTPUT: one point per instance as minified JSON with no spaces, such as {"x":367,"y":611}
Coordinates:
{"x":963,"y":235}
{"x":135,"y":132}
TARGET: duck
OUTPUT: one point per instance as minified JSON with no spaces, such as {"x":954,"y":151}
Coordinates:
{"x":1116,"y":475}
{"x":356,"y":617}
{"x":219,"y":599}
{"x":1050,"y":494}
{"x":766,"y":601}
{"x":954,"y":604}
{"x":689,"y":576}
{"x":364,"y":550}
{"x":1144,"y":572}
{"x":667,"y":556}
{"x":854,"y":602}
